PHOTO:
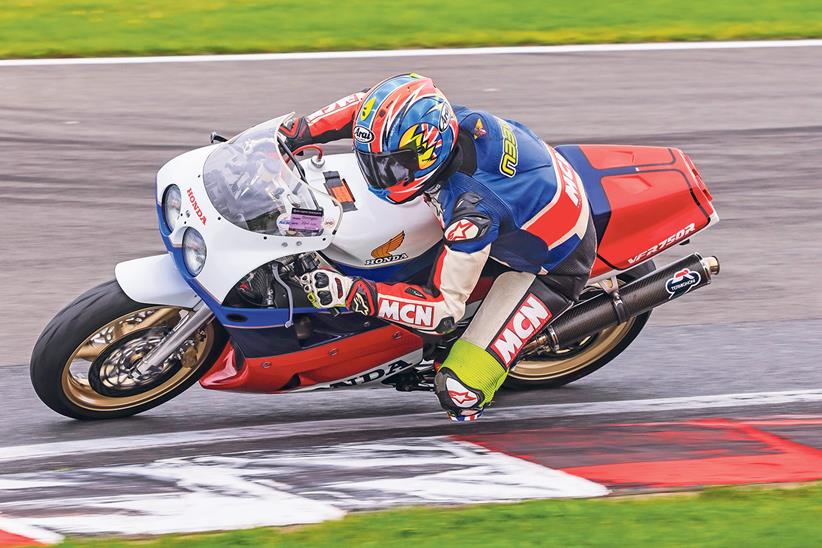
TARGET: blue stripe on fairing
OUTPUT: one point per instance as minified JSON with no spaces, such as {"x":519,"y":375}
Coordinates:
{"x":255,"y":317}
{"x":164,"y":231}
{"x":393,"y":273}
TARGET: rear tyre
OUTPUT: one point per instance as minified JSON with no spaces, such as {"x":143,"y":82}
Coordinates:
{"x":86,"y":363}
{"x":544,"y":368}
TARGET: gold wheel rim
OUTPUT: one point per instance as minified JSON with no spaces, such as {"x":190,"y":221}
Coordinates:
{"x":543,"y":370}
{"x":75,"y":382}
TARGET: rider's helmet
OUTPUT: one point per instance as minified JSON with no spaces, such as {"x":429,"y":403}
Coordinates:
{"x":403,"y":133}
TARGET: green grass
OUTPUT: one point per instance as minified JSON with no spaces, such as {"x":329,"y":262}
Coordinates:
{"x":40,"y":28}
{"x":722,"y":517}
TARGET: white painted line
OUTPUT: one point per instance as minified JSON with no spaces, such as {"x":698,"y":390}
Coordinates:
{"x":283,"y":487}
{"x":195,"y":498}
{"x":371,"y":54}
{"x":36,"y":534}
{"x":403,"y":422}
{"x":455,"y":472}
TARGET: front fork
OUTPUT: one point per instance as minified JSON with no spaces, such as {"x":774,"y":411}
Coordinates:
{"x":199,"y":316}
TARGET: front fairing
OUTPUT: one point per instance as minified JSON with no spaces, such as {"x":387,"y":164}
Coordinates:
{"x":232,"y":251}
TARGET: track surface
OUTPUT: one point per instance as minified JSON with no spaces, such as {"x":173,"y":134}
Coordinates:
{"x":79,"y":147}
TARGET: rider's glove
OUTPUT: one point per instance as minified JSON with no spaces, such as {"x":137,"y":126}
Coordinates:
{"x":296,"y":133}
{"x":326,"y":288}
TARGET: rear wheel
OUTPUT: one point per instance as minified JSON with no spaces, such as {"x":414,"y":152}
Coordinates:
{"x":545,"y":368}
{"x":87,"y":362}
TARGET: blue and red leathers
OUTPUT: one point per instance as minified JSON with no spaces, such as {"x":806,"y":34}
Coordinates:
{"x":503,"y":195}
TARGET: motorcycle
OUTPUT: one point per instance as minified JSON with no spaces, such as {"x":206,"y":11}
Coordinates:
{"x":243,"y":219}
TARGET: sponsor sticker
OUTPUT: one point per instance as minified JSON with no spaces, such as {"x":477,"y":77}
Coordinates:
{"x":363,"y":134}
{"x":382,"y":254}
{"x":445,"y":117}
{"x":459,"y":394}
{"x":384,"y":250}
{"x":682,"y":282}
{"x":479,"y":130}
{"x":337,"y":106}
{"x":195,"y":206}
{"x":386,"y":260}
{"x":569,"y":179}
{"x":282,"y":224}
{"x":510,"y":152}
{"x":415,"y":314}
{"x":461,"y":230}
{"x":373,"y":375}
{"x":531,"y":316}
{"x":667,"y":242}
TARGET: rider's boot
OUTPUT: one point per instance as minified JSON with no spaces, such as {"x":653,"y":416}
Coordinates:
{"x":467,"y":381}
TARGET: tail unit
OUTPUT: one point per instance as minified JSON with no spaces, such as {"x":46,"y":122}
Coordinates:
{"x":644,"y":200}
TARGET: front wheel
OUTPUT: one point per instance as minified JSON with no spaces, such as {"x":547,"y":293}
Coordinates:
{"x":545,"y":368}
{"x":87,"y":362}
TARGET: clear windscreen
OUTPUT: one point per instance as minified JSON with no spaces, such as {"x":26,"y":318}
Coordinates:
{"x":252,"y":186}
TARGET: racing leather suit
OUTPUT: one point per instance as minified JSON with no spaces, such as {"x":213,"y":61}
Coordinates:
{"x":504,"y":195}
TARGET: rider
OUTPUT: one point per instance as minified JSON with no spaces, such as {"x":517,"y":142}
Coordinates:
{"x":497,"y":190}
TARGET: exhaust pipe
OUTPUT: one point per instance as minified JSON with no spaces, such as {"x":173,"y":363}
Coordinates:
{"x":611,"y":309}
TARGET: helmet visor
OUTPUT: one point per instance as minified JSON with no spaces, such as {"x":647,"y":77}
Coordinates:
{"x":384,"y":170}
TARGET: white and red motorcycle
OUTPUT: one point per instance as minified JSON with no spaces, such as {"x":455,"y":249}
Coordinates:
{"x":241,"y":221}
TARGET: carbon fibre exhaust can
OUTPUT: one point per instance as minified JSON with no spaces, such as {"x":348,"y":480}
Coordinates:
{"x":610,"y":309}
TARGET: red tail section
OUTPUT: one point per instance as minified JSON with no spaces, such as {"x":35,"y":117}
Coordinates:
{"x":644,"y":200}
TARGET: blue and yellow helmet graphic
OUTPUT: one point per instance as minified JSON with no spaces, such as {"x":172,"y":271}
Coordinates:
{"x":401,"y":114}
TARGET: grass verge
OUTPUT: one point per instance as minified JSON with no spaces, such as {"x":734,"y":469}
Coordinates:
{"x":717,"y":517}
{"x":47,"y":28}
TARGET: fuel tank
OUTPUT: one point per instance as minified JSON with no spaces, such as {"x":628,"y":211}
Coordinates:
{"x":382,"y":241}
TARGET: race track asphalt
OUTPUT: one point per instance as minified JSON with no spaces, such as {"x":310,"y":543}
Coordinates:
{"x":79,"y":147}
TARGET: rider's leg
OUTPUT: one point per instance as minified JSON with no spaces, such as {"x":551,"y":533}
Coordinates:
{"x":518,"y":306}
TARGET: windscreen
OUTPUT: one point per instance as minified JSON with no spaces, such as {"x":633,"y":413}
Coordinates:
{"x":251,"y":186}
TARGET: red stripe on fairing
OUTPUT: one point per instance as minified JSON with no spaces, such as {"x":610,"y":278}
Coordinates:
{"x":328,"y":362}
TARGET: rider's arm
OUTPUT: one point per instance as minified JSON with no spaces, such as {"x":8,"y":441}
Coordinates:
{"x":330,"y":123}
{"x":438,"y":305}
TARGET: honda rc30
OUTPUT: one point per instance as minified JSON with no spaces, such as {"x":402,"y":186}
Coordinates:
{"x":242,"y":220}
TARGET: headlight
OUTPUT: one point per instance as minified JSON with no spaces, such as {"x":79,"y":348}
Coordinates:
{"x":172,"y":202}
{"x":194,"y":251}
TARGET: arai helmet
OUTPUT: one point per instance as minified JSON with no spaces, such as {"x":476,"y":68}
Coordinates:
{"x":403,"y":133}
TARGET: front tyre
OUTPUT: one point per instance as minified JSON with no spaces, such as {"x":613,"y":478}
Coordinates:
{"x":86,"y":363}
